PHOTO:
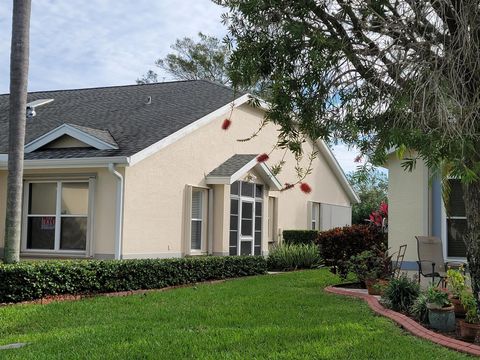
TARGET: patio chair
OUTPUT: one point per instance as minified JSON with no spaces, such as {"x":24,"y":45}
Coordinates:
{"x":431,"y":263}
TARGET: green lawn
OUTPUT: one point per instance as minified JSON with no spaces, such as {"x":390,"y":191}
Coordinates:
{"x":286,"y":316}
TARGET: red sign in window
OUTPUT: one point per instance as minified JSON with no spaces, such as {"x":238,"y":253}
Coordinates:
{"x":48,"y":223}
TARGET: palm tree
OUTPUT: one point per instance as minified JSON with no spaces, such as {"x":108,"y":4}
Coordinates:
{"x":16,"y":130}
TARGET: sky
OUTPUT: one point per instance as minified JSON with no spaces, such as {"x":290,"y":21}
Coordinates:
{"x":78,"y":43}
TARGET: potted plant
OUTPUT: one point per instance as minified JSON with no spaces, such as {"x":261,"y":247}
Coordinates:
{"x":441,"y":315}
{"x":456,"y":285}
{"x":469,"y":329}
{"x":373,"y":268}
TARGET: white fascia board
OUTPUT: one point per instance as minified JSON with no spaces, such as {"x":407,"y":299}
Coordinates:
{"x":66,"y":129}
{"x":337,"y":170}
{"x":67,"y":162}
{"x":270,"y":179}
{"x":159,"y":145}
{"x":243,"y":170}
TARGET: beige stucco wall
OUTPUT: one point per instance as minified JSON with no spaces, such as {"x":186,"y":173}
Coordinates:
{"x":104,"y":205}
{"x":65,"y":141}
{"x":154,"y":210}
{"x":408,"y":206}
{"x":154,"y":187}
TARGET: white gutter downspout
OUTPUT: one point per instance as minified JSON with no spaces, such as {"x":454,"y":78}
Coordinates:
{"x":118,"y":211}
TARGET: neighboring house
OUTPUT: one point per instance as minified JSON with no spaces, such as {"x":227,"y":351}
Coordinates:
{"x":146,"y":171}
{"x":416,"y":207}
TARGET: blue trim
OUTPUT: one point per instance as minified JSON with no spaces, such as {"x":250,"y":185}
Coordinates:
{"x":410,"y":265}
{"x":437,"y":207}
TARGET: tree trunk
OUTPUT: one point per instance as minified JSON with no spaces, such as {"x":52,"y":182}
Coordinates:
{"x":16,"y":129}
{"x":472,"y":209}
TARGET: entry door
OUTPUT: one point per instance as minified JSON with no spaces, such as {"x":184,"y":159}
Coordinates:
{"x":246,"y":226}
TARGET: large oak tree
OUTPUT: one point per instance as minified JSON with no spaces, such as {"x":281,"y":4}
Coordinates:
{"x":380,"y":74}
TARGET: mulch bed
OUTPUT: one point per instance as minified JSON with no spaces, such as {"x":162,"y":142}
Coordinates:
{"x":406,"y":322}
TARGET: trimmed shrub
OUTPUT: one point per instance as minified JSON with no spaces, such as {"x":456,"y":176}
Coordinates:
{"x":286,"y":257}
{"x":35,"y":280}
{"x":338,"y":245}
{"x":401,"y":293}
{"x":371,"y":265}
{"x":300,"y":236}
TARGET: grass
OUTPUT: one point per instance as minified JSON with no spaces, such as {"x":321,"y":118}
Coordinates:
{"x":286,"y":316}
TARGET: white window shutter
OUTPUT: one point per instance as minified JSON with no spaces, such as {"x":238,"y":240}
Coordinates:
{"x":309,"y":215}
{"x":187,"y":215}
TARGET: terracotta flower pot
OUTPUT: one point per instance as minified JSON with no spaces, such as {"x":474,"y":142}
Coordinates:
{"x":458,"y":307}
{"x":376,"y":286}
{"x":468,"y":331}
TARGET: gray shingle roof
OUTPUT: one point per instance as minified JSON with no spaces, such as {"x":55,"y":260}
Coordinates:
{"x":232,"y":165}
{"x":103,"y":135}
{"x":120,"y":111}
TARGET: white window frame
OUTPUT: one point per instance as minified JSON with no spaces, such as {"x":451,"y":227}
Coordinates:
{"x":58,"y":217}
{"x":444,"y":230}
{"x":315,"y":216}
{"x":241,"y":198}
{"x":203,"y":220}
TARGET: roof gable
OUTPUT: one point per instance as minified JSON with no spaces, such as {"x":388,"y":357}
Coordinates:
{"x":65,"y":142}
{"x":237,"y":166}
{"x":95,"y":138}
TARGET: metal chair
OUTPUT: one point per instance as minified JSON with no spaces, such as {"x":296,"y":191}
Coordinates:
{"x":431,"y":263}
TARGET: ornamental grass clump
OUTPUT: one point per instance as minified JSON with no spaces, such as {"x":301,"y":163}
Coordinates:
{"x":287,"y":257}
{"x":419,"y":309}
{"x":401,"y":293}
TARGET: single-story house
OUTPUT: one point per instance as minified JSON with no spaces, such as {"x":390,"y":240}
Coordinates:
{"x":146,"y":171}
{"x":416,"y":207}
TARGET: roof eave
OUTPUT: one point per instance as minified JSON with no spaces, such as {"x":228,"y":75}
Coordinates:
{"x":68,"y":162}
{"x":66,"y":129}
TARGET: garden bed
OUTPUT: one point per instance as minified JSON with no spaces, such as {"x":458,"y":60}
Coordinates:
{"x":445,"y":339}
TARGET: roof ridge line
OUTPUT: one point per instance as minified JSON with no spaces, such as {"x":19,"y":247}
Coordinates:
{"x":118,"y":86}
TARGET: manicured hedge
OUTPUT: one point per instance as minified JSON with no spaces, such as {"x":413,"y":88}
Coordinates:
{"x":35,"y":280}
{"x":300,"y":236}
{"x":338,"y":245}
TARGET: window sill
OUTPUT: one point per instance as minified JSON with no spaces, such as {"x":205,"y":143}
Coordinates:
{"x":197,"y":253}
{"x":53,"y":254}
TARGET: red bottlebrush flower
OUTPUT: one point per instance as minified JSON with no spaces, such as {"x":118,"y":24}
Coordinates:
{"x":305,"y":188}
{"x":226,"y":124}
{"x":262,"y":157}
{"x":287,"y":186}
